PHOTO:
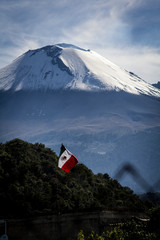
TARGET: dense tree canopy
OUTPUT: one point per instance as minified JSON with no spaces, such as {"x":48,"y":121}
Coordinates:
{"x":31,"y":184}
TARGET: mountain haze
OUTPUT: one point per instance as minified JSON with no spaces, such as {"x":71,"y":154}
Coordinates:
{"x":105,"y":115}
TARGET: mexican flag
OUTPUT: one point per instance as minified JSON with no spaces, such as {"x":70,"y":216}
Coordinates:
{"x":66,"y":159}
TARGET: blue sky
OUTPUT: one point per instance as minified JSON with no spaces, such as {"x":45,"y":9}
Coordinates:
{"x":127,"y":32}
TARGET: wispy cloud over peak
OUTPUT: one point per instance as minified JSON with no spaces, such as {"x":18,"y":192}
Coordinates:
{"x":95,"y":24}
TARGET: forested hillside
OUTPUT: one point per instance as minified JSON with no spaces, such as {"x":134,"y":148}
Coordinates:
{"x":31,"y":184}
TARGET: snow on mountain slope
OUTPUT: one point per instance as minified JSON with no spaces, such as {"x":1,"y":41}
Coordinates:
{"x":65,"y":66}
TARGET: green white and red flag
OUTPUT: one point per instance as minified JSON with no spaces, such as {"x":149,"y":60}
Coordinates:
{"x":66,"y":159}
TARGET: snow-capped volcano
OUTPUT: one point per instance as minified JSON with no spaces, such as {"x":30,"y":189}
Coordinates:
{"x":65,"y":66}
{"x":110,"y":121}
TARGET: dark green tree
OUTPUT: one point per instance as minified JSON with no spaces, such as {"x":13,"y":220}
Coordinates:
{"x":31,"y":184}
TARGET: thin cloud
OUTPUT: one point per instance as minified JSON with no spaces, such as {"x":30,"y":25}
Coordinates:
{"x":144,"y":20}
{"x":101,"y":25}
{"x":145,"y":62}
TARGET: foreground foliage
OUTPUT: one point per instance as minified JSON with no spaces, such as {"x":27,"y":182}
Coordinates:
{"x":31,"y":184}
{"x":130,"y":231}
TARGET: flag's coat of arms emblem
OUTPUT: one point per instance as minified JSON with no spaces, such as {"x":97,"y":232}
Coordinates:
{"x":66,"y":159}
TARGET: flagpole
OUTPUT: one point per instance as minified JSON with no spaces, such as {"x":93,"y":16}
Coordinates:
{"x":5,"y":227}
{"x":56,"y":189}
